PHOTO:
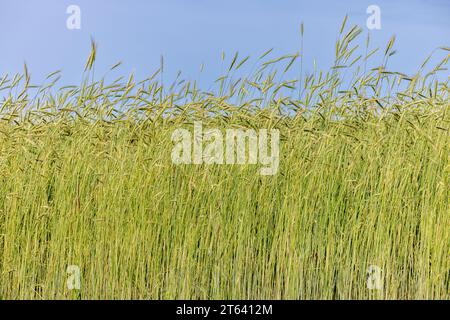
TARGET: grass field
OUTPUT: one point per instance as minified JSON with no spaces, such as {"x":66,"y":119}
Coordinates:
{"x":86,"y":179}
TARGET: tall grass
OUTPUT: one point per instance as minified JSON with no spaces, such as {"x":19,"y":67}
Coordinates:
{"x":87,"y":179}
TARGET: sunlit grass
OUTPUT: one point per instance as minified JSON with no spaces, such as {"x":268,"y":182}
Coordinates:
{"x":86,"y":179}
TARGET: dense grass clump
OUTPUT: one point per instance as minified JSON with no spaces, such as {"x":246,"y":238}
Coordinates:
{"x":86,"y":179}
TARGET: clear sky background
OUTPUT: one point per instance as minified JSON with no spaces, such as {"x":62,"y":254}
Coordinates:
{"x":191,"y":32}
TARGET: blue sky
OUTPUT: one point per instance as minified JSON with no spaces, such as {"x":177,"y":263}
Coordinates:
{"x":191,"y":32}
